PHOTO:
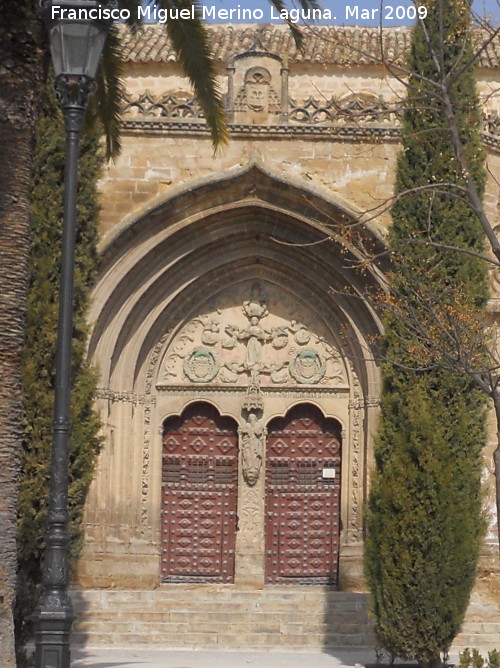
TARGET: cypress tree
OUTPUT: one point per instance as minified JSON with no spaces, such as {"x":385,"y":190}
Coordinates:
{"x":39,"y":356}
{"x":424,"y":517}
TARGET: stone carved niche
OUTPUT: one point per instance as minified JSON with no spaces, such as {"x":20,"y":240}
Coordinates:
{"x":254,"y":333}
{"x":257,"y":88}
{"x":257,"y":94}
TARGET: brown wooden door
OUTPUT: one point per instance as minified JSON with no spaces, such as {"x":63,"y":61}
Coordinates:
{"x":302,"y":498}
{"x":199,"y":488}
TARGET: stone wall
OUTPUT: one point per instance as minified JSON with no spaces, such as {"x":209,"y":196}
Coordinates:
{"x":313,"y":146}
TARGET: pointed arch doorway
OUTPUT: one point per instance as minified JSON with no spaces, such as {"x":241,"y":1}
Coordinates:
{"x":199,"y":495}
{"x":302,"y":499}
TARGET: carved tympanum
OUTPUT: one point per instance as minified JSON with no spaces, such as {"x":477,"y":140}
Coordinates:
{"x":254,"y":343}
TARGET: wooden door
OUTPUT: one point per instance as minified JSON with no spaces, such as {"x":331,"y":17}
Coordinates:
{"x":199,"y":493}
{"x":303,"y":498}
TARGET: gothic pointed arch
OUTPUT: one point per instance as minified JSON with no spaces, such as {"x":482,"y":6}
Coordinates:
{"x":239,"y":296}
{"x":163,"y":265}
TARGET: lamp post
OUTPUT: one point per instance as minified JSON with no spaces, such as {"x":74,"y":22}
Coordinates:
{"x":76,"y":45}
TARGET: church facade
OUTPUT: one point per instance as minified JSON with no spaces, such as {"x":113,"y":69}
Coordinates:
{"x":238,"y":394}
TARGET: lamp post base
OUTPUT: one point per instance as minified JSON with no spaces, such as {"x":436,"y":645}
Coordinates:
{"x":53,"y":631}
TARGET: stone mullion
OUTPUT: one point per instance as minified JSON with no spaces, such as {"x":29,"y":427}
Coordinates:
{"x":250,"y":538}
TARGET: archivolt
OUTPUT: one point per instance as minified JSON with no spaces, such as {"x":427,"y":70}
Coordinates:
{"x":163,"y":266}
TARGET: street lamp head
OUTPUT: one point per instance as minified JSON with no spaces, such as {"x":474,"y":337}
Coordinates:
{"x":77,"y":33}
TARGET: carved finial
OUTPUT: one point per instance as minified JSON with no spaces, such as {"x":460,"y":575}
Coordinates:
{"x":254,"y":400}
{"x":257,"y":44}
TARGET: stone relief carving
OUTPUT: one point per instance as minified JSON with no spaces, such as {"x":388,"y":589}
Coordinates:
{"x":176,"y":106}
{"x":253,"y":433}
{"x":201,"y":365}
{"x":250,"y":515}
{"x":115,"y":396}
{"x":231,"y":345}
{"x":356,"y":108}
{"x":146,"y":442}
{"x":211,"y":334}
{"x":257,"y":93}
{"x":356,"y":411}
{"x":252,"y":445}
{"x":307,"y":367}
{"x":254,"y":400}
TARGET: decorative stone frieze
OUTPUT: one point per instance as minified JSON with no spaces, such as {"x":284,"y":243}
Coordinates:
{"x":354,"y":115}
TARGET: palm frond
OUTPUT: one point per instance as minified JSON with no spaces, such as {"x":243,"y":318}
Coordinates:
{"x":310,"y":4}
{"x":106,"y":104}
{"x":133,"y":22}
{"x":297,"y":35}
{"x":190,"y":41}
{"x":298,"y":38}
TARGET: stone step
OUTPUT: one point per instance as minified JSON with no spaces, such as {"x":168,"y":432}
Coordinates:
{"x":230,"y":608}
{"x":202,"y":617}
{"x":310,"y":618}
{"x":479,"y":639}
{"x":262,"y":599}
{"x":209,"y":593}
{"x":345,"y":624}
{"x":213,"y":626}
{"x":243,"y":641}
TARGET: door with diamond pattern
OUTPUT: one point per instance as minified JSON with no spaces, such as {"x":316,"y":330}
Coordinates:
{"x":199,"y":492}
{"x":303,"y":498}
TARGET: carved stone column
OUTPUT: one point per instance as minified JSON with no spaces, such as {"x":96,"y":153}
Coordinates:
{"x":250,"y":546}
{"x":285,"y":71}
{"x":250,"y":539}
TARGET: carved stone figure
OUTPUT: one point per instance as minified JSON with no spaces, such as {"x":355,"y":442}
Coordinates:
{"x":302,"y":335}
{"x":255,"y":336}
{"x":256,"y":305}
{"x":252,"y":444}
{"x":280,"y":338}
{"x":254,"y":400}
{"x":210,"y":334}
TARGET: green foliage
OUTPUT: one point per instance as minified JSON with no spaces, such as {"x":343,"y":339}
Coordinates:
{"x":428,"y":156}
{"x":474,"y":659}
{"x":39,"y":357}
{"x":494,"y":659}
{"x":424,"y":516}
{"x":424,"y":520}
{"x":464,"y":658}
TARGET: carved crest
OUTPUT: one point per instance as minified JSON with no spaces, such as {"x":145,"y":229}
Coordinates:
{"x":200,"y":365}
{"x":307,"y":367}
{"x":257,"y":94}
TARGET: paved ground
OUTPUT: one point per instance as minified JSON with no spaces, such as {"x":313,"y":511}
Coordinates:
{"x":169,"y":658}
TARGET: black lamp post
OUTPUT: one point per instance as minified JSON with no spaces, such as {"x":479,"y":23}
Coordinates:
{"x":76,"y":45}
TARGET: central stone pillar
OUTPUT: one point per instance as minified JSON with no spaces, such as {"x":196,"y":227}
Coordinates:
{"x":250,"y":543}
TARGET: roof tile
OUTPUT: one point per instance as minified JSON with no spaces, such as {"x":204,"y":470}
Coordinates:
{"x":322,"y":44}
